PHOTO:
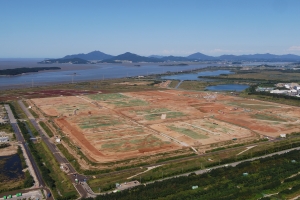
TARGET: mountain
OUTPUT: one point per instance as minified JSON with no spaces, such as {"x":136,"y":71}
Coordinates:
{"x":62,"y":60}
{"x":176,"y":58}
{"x":131,"y":57}
{"x":201,"y":56}
{"x":155,"y":56}
{"x":94,"y":55}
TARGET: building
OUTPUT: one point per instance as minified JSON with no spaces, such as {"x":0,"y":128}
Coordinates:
{"x":4,"y":139}
{"x":279,"y":91}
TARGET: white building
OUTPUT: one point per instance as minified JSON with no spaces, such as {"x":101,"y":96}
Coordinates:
{"x":4,"y":139}
{"x":297,"y":88}
{"x":279,"y":91}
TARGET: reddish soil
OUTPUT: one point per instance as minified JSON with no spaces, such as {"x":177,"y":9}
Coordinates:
{"x":78,"y":136}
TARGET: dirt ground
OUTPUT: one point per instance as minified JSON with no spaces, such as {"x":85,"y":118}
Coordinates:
{"x":7,"y":151}
{"x":110,"y":127}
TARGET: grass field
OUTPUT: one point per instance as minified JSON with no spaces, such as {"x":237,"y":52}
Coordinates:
{"x":129,"y":103}
{"x":188,"y":132}
{"x":132,"y":144}
{"x":174,"y":83}
{"x":268,"y":118}
{"x":252,"y":105}
{"x":107,"y":97}
{"x":98,"y":121}
{"x":45,"y":127}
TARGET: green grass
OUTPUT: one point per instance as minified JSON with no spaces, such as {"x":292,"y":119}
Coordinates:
{"x":151,"y":111}
{"x":98,"y":121}
{"x":129,"y":103}
{"x":251,"y":105}
{"x":108,"y":182}
{"x":135,"y":143}
{"x":188,"y":132}
{"x":267,"y":117}
{"x":46,"y":128}
{"x":107,"y":97}
{"x":173,"y":83}
{"x":62,"y":182}
{"x":6,"y":128}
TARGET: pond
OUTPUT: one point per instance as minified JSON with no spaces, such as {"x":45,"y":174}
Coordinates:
{"x":227,"y":87}
{"x":10,"y":167}
{"x":194,"y":76}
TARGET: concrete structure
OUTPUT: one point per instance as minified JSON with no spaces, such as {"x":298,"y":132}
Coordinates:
{"x":264,"y":89}
{"x":279,"y":91}
{"x":283,"y":135}
{"x":4,"y":139}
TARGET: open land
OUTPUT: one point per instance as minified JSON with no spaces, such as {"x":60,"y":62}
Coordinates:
{"x":112,"y":127}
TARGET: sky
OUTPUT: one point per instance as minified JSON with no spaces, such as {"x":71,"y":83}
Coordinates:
{"x":53,"y":29}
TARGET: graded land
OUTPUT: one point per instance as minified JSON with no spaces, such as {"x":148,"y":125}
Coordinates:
{"x":118,"y":126}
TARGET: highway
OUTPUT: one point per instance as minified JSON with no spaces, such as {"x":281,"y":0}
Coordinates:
{"x":22,"y":141}
{"x":81,"y":189}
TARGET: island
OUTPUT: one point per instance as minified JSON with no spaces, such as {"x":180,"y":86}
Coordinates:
{"x":67,"y":60}
{"x":17,"y":71}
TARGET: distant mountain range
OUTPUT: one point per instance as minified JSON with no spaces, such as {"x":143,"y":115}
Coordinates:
{"x":94,"y":55}
{"x":130,"y":57}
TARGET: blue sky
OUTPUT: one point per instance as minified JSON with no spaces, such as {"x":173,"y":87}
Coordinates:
{"x":55,"y":28}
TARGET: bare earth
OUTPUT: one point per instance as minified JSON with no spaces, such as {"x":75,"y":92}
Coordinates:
{"x":111,"y":127}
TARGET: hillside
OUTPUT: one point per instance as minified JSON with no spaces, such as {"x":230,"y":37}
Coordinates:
{"x":94,"y":55}
{"x":132,"y":58}
{"x":201,"y":56}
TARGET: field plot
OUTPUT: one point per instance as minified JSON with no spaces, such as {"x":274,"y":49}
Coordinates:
{"x":110,"y":127}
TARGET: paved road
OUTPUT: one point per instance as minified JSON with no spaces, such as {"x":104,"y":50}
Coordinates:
{"x":81,"y":189}
{"x":22,"y":141}
{"x":202,"y":171}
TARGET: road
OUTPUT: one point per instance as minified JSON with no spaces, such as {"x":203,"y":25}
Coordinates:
{"x":202,"y":171}
{"x":81,"y":189}
{"x":22,"y":141}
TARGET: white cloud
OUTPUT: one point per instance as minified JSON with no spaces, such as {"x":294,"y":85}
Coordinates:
{"x":294,"y":48}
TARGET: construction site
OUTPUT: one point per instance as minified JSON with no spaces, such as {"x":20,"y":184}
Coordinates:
{"x":118,"y":126}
